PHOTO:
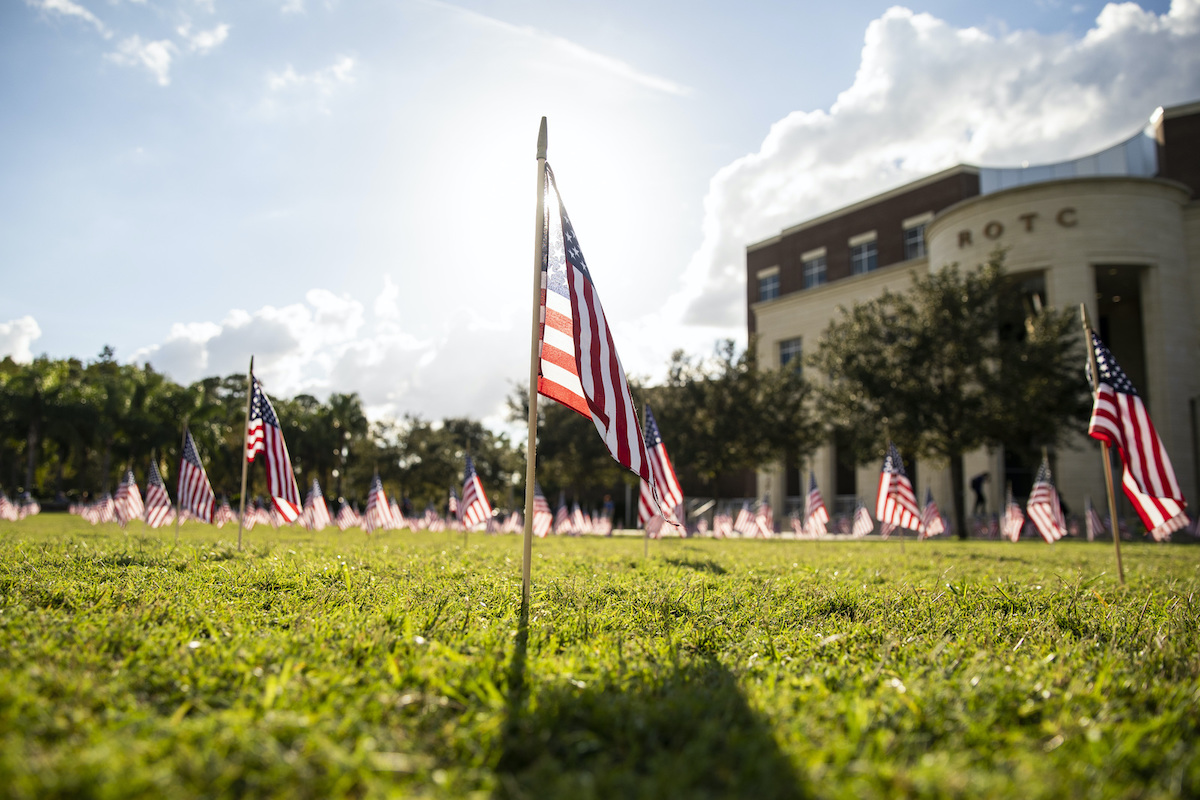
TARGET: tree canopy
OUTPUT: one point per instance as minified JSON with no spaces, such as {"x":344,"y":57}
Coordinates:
{"x":962,"y":360}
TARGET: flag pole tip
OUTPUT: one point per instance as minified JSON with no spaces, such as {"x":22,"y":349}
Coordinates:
{"x":541,"y":151}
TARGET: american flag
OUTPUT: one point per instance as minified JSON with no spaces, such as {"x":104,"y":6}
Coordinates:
{"x":562,"y":515}
{"x":250,"y":516}
{"x":475,"y":507}
{"x":452,"y":504}
{"x":315,"y":510}
{"x":579,"y":522}
{"x":195,"y":492}
{"x":886,"y":528}
{"x":7,"y":510}
{"x":578,"y":364}
{"x":1013,"y":521}
{"x":815,"y":513}
{"x":105,"y":511}
{"x":1045,"y":511}
{"x":395,"y":514}
{"x":670,"y":493}
{"x":764,"y":520}
{"x":1162,"y":516}
{"x":224,"y":514}
{"x":127,"y":503}
{"x":931,"y":517}
{"x":158,"y":502}
{"x":265,"y":436}
{"x":543,"y":517}
{"x":378,"y":513}
{"x":1092,"y":521}
{"x":744,"y":522}
{"x":1120,"y":419}
{"x":347,"y":517}
{"x":863,"y":524}
{"x":896,"y":503}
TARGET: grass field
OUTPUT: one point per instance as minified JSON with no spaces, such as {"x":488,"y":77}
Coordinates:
{"x":330,"y":665}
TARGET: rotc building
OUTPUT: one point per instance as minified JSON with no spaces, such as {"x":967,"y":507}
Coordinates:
{"x":1118,"y":231}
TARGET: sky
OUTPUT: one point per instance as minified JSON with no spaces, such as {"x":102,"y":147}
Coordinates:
{"x":345,"y":189}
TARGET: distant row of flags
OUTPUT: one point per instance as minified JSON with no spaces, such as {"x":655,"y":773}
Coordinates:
{"x":24,"y":507}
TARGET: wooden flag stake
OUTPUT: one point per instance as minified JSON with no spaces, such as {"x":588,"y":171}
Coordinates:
{"x":534,"y":354}
{"x":1108,"y":477}
{"x":245,"y":463}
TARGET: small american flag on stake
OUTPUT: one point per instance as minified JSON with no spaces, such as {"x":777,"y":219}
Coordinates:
{"x":378,"y":514}
{"x":127,"y":503}
{"x":578,"y":364}
{"x":664,"y":476}
{"x":863,"y":524}
{"x":475,"y":507}
{"x":1120,"y":419}
{"x":265,"y":436}
{"x":1045,"y":511}
{"x":1014,"y":519}
{"x":315,"y":511}
{"x":195,"y":492}
{"x":896,"y":503}
{"x":815,"y":514}
{"x":158,"y":502}
{"x":543,"y":517}
{"x":931,"y":517}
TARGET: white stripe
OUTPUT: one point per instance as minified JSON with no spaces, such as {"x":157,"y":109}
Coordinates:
{"x":557,"y":339}
{"x":557,"y":375}
{"x":558,"y":302}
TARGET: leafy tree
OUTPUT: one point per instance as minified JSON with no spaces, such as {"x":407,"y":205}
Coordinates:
{"x":724,"y":414}
{"x":957,"y":362}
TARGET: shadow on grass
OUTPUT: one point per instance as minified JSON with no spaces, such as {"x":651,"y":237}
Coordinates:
{"x":708,"y":565}
{"x":687,"y":732}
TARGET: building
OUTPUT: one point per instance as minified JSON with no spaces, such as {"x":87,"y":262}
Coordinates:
{"x":1118,"y":230}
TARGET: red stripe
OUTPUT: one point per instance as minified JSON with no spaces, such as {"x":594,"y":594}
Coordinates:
{"x":568,"y":398}
{"x":560,"y":322}
{"x":559,"y":358}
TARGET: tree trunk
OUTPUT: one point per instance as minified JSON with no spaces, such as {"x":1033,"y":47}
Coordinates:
{"x":31,"y":445}
{"x":956,"y":495}
{"x":105,"y":464}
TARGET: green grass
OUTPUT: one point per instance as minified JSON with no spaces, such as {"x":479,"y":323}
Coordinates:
{"x":329,"y":665}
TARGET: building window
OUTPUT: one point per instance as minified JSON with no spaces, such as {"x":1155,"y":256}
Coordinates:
{"x":768,"y":286}
{"x":864,"y":258}
{"x":789,"y":353}
{"x":914,"y":241}
{"x":814,"y":271}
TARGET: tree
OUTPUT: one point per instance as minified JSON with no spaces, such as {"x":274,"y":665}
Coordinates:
{"x":725,"y":414}
{"x":571,"y":457}
{"x":959,"y":361}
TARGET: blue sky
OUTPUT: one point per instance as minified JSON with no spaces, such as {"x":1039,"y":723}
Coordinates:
{"x":346,"y":189}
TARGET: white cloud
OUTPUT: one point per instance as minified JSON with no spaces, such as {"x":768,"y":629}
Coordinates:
{"x":16,"y":337}
{"x":292,"y":7}
{"x":927,"y":96}
{"x":387,"y":303}
{"x":325,"y":344}
{"x":311,"y":89}
{"x":576,"y":52}
{"x":67,"y":8}
{"x":154,"y":56}
{"x":203,"y":41}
